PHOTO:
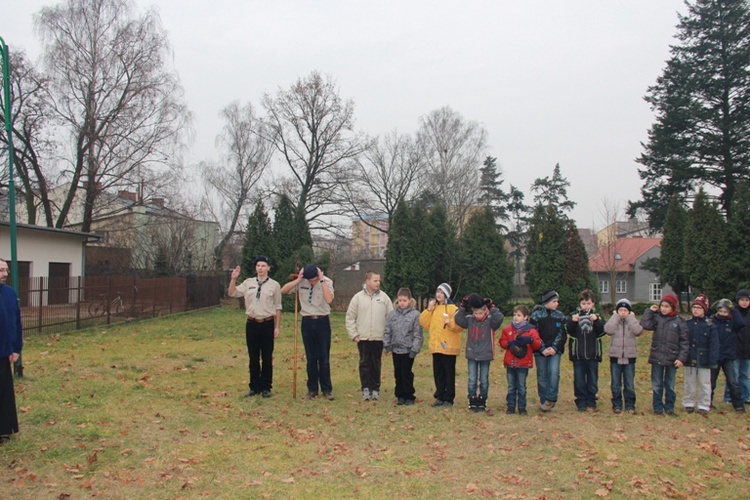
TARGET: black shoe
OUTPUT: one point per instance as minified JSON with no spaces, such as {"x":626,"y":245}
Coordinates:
{"x":437,"y":403}
{"x":400,"y":401}
{"x":670,"y":413}
{"x":266,"y":393}
{"x":251,"y":393}
{"x":311,"y":395}
{"x":689,"y":409}
{"x":328,"y":396}
{"x":482,"y":403}
{"x":448,"y":403}
{"x":408,"y":402}
{"x":582,"y":410}
{"x":473,"y":403}
{"x":740,"y":409}
{"x":4,"y":439}
{"x":510,"y":411}
{"x":659,"y":413}
{"x":523,"y":412}
{"x":617,"y":411}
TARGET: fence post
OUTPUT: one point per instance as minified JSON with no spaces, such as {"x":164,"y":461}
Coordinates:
{"x":78,"y":303}
{"x":109,"y":298}
{"x":41,"y":303}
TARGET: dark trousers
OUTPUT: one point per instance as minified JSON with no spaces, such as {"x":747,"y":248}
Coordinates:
{"x":259,"y":337}
{"x":370,"y":363}
{"x":585,"y":382}
{"x":728,"y":366}
{"x":444,"y":371}
{"x":622,"y":376}
{"x":402,"y":370}
{"x":516,"y":387}
{"x":8,"y":415}
{"x":316,"y":336}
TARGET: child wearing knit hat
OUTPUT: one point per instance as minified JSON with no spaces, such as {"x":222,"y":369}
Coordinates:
{"x":702,"y":358}
{"x":742,"y":301}
{"x":624,"y":329}
{"x":550,"y":323}
{"x":669,"y":350}
{"x":729,"y":323}
{"x":445,"y":343}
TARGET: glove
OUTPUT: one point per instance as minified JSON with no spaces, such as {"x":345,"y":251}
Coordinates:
{"x":512,"y":343}
{"x":465,"y":304}
{"x":488,"y":302}
{"x":524,"y":340}
{"x":518,"y":351}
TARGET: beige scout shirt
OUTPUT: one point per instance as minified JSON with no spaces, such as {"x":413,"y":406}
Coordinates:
{"x":367,"y":314}
{"x":311,"y":299}
{"x":263,"y":307}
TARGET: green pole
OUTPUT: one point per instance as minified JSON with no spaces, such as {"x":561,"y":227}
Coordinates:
{"x":18,"y":365}
{"x":11,"y":170}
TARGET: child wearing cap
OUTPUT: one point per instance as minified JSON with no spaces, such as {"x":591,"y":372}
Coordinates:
{"x":550,"y":323}
{"x":481,"y":318}
{"x":623,"y":329}
{"x":669,"y":350}
{"x":702,"y":358}
{"x":742,"y":299}
{"x":585,"y":329}
{"x":728,"y":323}
{"x":521,"y":341}
{"x":445,"y":343}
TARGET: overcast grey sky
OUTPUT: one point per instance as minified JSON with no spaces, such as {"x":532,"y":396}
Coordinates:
{"x":552,"y":81}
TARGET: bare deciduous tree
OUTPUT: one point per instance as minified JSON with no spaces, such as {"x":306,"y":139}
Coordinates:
{"x":32,"y":141}
{"x":453,"y":149}
{"x":388,"y":171}
{"x":111,"y":88}
{"x":610,"y":246}
{"x":246,"y":153}
{"x":313,"y":129}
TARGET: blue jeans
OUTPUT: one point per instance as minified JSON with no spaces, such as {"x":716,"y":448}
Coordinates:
{"x":742,"y":369}
{"x":516,"y":387}
{"x":585,"y":382}
{"x":662,"y":381}
{"x":623,"y":375}
{"x":316,"y":336}
{"x":547,"y":376}
{"x":483,"y":367}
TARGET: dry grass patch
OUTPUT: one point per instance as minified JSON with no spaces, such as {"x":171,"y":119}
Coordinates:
{"x":156,"y":410}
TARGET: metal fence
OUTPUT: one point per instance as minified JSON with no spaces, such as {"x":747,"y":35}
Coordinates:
{"x":51,"y":305}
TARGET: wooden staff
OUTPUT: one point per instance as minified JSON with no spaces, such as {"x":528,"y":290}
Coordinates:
{"x":296,"y":308}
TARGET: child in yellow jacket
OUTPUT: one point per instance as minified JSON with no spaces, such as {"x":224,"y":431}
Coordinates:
{"x":445,"y":343}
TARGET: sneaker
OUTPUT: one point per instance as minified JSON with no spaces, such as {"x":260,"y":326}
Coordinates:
{"x":670,"y":413}
{"x":375,"y":395}
{"x":617,"y":411}
{"x":408,"y":402}
{"x":251,"y":393}
{"x":547,"y":406}
{"x":510,"y":411}
{"x":328,"y":396}
{"x":740,"y":409}
{"x":582,"y":410}
{"x":473,"y":403}
{"x":4,"y":439}
{"x":482,"y":403}
{"x":703,"y":413}
{"x":366,"y":394}
{"x":448,"y":403}
{"x":523,"y":412}
{"x":630,"y":411}
{"x":437,"y":403}
{"x":659,"y":413}
{"x":311,"y":395}
{"x":689,"y":409}
{"x":400,"y":401}
{"x":266,"y":393}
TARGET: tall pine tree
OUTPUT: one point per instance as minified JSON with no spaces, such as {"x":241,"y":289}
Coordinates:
{"x":545,"y":252}
{"x":258,"y":241}
{"x":671,"y":268}
{"x":577,"y":275}
{"x":490,"y":185}
{"x":484,"y":267}
{"x":702,"y":107}
{"x":705,"y":254}
{"x":739,"y":238}
{"x":293,"y":242}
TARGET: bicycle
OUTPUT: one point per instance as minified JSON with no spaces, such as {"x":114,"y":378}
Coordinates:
{"x":102,"y":307}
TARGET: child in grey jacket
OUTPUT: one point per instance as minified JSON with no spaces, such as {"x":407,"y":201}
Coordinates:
{"x":403,"y":337}
{"x":623,"y":328}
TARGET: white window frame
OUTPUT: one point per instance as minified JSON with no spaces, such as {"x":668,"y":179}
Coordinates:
{"x":621,"y":286}
{"x":654,"y":292}
{"x":603,"y":286}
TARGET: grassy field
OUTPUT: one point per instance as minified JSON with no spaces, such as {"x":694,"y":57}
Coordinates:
{"x":156,"y":410}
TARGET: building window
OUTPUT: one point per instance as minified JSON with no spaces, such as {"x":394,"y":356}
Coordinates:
{"x":604,"y":287}
{"x":621,"y":286}
{"x":654,"y":292}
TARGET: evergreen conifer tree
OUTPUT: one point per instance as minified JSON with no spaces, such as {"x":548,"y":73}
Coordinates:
{"x":705,"y":254}
{"x":577,"y":275}
{"x":671,"y":269}
{"x":739,"y":238}
{"x":545,"y":255}
{"x":258,"y":241}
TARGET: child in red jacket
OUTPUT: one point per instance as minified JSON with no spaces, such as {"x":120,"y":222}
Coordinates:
{"x":520,"y":339}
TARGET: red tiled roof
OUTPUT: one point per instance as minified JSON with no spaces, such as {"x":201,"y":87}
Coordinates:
{"x":630,"y":249}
